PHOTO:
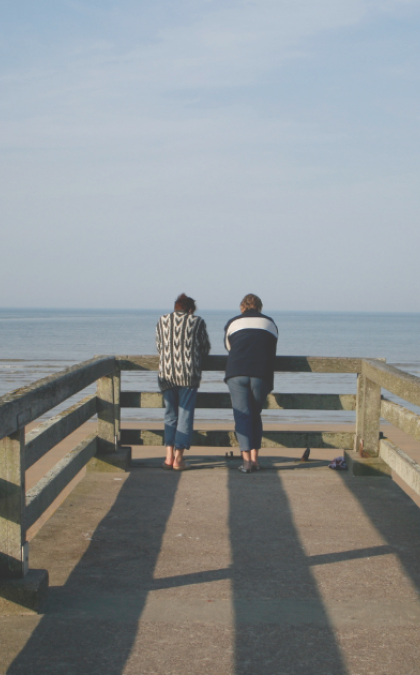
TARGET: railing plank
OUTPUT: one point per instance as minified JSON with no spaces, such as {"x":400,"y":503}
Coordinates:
{"x":275,"y":401}
{"x":47,"y":435}
{"x":42,"y":495}
{"x":28,"y":403}
{"x":396,"y":381}
{"x":289,"y":364}
{"x":402,"y":418}
{"x":271,"y":439}
{"x":404,"y":466}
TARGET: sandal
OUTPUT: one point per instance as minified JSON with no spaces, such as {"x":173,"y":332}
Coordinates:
{"x":242,"y":469}
{"x":166,"y":466}
{"x":183,"y":467}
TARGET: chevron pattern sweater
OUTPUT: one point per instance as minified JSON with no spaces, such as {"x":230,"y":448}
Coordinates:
{"x":181,"y":341}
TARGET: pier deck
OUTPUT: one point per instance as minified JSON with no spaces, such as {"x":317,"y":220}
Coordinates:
{"x":294,"y":570}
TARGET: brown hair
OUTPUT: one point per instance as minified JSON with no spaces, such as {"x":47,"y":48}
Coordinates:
{"x":184,"y":304}
{"x":251,"y":301}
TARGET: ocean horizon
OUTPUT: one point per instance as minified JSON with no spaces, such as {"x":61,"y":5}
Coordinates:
{"x":36,"y":342}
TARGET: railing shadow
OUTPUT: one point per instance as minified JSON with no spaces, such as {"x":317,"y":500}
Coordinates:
{"x":400,"y":527}
{"x":281,"y":623}
{"x":107,"y":590}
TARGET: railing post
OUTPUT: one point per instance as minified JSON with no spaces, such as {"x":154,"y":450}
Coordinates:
{"x":13,"y":550}
{"x":117,"y":406}
{"x":107,"y":432}
{"x":368,"y":417}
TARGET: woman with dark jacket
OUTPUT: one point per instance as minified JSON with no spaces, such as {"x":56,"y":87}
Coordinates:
{"x":251,"y":340}
{"x":182,"y":342}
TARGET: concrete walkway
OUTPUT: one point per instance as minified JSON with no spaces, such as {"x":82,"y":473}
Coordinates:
{"x":294,"y":570}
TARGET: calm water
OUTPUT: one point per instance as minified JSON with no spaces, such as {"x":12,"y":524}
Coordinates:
{"x":36,"y":343}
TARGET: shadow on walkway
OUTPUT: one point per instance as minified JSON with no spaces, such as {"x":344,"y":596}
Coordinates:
{"x":107,"y":590}
{"x":281,"y":625}
{"x":395,"y":516}
{"x":92,"y":622}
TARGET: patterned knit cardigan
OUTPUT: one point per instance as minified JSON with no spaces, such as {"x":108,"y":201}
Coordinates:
{"x":181,"y":341}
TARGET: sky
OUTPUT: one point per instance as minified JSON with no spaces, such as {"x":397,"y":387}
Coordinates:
{"x":149,"y":148}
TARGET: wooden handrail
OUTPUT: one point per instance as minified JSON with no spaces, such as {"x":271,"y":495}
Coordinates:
{"x":28,"y":403}
{"x":275,"y":401}
{"x":40,"y":440}
{"x":392,"y":379}
{"x":284,"y":364}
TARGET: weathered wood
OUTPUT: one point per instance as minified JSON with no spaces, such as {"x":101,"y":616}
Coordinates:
{"x":372,"y":418}
{"x":289,"y":364}
{"x":28,"y":403}
{"x":360,"y":413}
{"x":271,"y":439}
{"x":42,"y":495}
{"x":137,"y":362}
{"x":317,"y":364}
{"x":275,"y":401}
{"x":394,"y":380}
{"x":12,"y":505}
{"x":47,"y":435}
{"x":310,"y":402}
{"x":405,"y":467}
{"x":402,"y":418}
{"x":116,"y":383}
{"x":107,"y":433}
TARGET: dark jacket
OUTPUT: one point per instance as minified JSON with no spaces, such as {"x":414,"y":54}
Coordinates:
{"x":251,"y":339}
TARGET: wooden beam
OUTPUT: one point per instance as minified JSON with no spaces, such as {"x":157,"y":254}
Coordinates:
{"x":108,"y":417}
{"x":289,"y":364}
{"x":271,"y":439}
{"x":28,"y":403}
{"x":402,"y":418}
{"x":372,"y":419}
{"x":275,"y":401}
{"x":12,"y":505}
{"x":47,"y":435}
{"x":42,"y":495}
{"x":404,"y":466}
{"x":394,"y":380}
{"x":116,"y":383}
{"x":360,"y":414}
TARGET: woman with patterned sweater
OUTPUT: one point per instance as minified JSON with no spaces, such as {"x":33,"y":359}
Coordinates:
{"x":182,"y":342}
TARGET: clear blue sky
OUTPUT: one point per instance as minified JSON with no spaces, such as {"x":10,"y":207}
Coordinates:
{"x":212,"y":147}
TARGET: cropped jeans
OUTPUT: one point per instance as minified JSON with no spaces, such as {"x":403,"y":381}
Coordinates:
{"x":179,"y":416}
{"x":248,"y":395}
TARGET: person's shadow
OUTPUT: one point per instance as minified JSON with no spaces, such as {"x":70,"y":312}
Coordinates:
{"x":91,"y":622}
{"x":281,"y":624}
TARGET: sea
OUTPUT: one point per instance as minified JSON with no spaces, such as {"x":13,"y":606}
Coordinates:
{"x":35,"y":343}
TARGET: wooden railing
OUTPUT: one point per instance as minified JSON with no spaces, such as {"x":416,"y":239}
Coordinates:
{"x":275,"y":401}
{"x":19,"y":508}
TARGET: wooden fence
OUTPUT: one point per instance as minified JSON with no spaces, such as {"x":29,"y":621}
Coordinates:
{"x":19,"y":509}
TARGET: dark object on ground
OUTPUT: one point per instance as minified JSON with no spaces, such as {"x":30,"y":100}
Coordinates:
{"x":305,"y":456}
{"x":339,"y":464}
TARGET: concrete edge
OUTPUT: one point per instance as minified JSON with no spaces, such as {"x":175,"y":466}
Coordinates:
{"x":112,"y":462}
{"x":24,"y":596}
{"x":367,"y":466}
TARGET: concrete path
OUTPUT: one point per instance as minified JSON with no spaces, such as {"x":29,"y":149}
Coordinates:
{"x":295,"y":570}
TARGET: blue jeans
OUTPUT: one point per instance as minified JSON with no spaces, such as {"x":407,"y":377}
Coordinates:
{"x":248,"y":395}
{"x":179,"y":416}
